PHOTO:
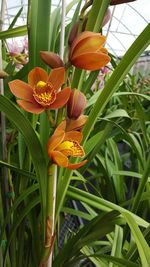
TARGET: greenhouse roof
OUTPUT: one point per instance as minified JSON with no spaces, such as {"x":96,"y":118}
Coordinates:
{"x":126,"y":23}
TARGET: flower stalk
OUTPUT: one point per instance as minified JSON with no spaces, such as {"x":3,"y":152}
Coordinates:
{"x":46,"y":260}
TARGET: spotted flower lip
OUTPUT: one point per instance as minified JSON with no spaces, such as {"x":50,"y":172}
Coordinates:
{"x":62,"y":145}
{"x":41,"y":91}
{"x":87,"y":51}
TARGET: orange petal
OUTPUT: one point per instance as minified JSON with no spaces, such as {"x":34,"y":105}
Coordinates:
{"x":57,"y":77}
{"x":76,"y":124}
{"x":91,"y":61}
{"x":61,"y":126}
{"x":21,"y":90}
{"x":89,"y":44}
{"x":73,"y":135}
{"x":61,"y":98}
{"x":76,"y":165}
{"x":36,"y":75}
{"x":81,"y":37}
{"x":30,"y":107}
{"x":59,"y":158}
{"x":55,"y":140}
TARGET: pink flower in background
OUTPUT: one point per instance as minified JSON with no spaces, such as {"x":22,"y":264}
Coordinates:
{"x":18,"y":54}
{"x":99,"y":83}
{"x":25,"y":44}
{"x":13,"y":49}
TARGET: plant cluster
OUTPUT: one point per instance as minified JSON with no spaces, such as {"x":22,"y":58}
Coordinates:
{"x":75,"y":144}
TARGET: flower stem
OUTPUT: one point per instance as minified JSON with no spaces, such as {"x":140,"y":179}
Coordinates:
{"x":50,"y":217}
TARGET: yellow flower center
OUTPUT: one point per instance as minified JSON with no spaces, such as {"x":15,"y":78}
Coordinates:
{"x":71,"y":148}
{"x":41,"y":84}
{"x":44,"y":93}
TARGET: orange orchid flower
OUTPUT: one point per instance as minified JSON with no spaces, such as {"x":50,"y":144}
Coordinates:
{"x":41,"y":91}
{"x":87,"y":51}
{"x":62,"y":145}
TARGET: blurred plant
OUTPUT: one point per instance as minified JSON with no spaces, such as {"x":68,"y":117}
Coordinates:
{"x":19,"y":55}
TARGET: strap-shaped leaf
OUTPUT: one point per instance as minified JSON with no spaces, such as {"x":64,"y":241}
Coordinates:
{"x":33,"y":144}
{"x":143,"y":248}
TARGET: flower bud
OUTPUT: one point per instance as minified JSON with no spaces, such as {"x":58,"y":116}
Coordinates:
{"x":76,"y":104}
{"x":117,"y":2}
{"x":3,"y":74}
{"x":51,"y":59}
{"x":73,"y":33}
{"x":87,"y":51}
{"x":106,"y":17}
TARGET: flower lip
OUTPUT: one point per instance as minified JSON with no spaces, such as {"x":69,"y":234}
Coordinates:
{"x":44,"y":93}
{"x":63,"y":145}
{"x":71,"y":148}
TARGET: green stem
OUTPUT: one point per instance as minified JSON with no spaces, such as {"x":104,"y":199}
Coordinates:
{"x":50,"y":214}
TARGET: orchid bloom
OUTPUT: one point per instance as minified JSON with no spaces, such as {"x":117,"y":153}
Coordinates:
{"x":62,"y":145}
{"x":41,"y":91}
{"x":87,"y":51}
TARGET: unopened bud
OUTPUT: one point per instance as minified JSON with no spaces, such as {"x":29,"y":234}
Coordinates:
{"x":106,"y":17}
{"x":3,"y":74}
{"x":51,"y":59}
{"x":76,"y":104}
{"x":117,"y":2}
{"x":73,"y":33}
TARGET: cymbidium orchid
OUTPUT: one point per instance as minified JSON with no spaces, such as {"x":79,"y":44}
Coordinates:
{"x":87,"y":51}
{"x":41,"y":91}
{"x":62,"y":145}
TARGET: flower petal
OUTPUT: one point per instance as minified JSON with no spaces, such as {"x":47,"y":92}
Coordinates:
{"x":59,"y":158}
{"x":76,"y":165}
{"x":91,"y":61}
{"x":57,"y":77}
{"x":89,"y":44}
{"x":30,"y":107}
{"x":61,"y":98}
{"x":55,"y":140}
{"x":36,"y":75}
{"x":73,"y":135}
{"x":83,"y":39}
{"x":76,"y":124}
{"x":61,"y":126}
{"x":79,"y":38}
{"x":21,"y":90}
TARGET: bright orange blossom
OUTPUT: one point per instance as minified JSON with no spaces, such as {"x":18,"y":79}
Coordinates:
{"x":62,"y":145}
{"x":41,"y":91}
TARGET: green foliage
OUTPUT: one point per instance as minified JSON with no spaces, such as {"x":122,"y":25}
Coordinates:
{"x":109,"y":197}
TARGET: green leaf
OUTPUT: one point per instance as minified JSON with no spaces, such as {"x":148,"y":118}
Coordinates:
{"x":100,"y":203}
{"x":15,"y":18}
{"x":117,"y":244}
{"x":17,"y":202}
{"x":15,"y":32}
{"x":33,"y":143}
{"x":24,"y":213}
{"x":143,"y":248}
{"x":97,"y":227}
{"x":96,"y":15}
